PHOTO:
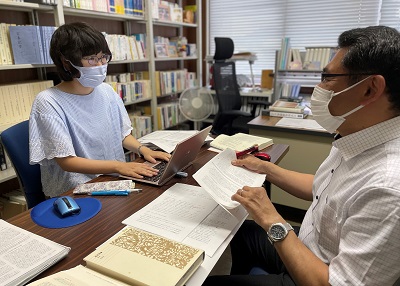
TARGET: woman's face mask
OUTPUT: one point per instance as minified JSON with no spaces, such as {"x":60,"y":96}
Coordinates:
{"x":320,"y":99}
{"x":91,"y":76}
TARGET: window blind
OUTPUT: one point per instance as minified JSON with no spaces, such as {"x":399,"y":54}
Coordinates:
{"x":259,"y":25}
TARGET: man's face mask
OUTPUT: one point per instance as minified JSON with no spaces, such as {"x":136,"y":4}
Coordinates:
{"x":320,"y":99}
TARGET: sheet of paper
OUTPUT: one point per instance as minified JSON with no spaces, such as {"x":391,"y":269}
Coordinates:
{"x":187,"y":214}
{"x":23,"y":254}
{"x":77,"y":276}
{"x":300,"y":123}
{"x":175,"y":213}
{"x":221,"y":179}
{"x":167,"y":139}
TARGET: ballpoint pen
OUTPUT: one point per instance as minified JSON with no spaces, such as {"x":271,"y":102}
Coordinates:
{"x":109,"y":193}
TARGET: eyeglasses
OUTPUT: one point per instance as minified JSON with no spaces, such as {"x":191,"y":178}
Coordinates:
{"x":325,"y":76}
{"x":93,"y":60}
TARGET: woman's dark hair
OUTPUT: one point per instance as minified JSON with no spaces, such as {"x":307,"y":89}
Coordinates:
{"x":374,"y":50}
{"x":73,"y":42}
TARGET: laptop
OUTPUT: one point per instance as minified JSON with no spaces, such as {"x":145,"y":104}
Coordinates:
{"x":183,"y":155}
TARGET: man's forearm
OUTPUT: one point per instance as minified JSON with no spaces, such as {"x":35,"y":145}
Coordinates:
{"x":297,"y":184}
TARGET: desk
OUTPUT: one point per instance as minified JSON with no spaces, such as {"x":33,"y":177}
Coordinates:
{"x":308,"y":149}
{"x":85,"y":237}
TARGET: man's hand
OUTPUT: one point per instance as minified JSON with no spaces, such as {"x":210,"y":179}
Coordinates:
{"x":250,"y":162}
{"x":258,"y":205}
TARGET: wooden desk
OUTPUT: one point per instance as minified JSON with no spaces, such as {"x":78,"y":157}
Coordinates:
{"x":85,"y":237}
{"x":308,"y":149}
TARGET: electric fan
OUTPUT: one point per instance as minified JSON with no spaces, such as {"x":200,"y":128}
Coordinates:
{"x":196,"y":103}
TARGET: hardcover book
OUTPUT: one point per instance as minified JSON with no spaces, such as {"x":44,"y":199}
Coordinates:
{"x":138,"y":257}
{"x":287,"y":106}
{"x":268,"y":112}
{"x":240,"y":142}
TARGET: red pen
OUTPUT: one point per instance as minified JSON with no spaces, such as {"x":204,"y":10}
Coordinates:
{"x":253,"y":148}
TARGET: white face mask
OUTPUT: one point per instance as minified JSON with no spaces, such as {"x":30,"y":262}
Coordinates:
{"x":92,"y":76}
{"x":320,"y":99}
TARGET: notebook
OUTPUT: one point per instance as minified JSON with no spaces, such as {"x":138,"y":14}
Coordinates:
{"x":183,"y":155}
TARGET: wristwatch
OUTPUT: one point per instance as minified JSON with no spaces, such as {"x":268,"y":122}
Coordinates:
{"x":278,"y":232}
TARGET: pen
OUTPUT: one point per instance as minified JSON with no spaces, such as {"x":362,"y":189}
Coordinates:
{"x":109,"y":193}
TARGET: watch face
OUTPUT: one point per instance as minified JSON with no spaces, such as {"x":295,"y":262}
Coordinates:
{"x":278,"y":232}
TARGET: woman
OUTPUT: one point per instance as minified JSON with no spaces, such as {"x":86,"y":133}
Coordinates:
{"x":78,"y":128}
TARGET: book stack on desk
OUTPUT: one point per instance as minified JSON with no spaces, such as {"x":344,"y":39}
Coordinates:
{"x":283,"y":108}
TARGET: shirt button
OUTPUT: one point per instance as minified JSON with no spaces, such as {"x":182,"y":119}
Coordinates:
{"x":332,"y":171}
{"x":316,"y":197}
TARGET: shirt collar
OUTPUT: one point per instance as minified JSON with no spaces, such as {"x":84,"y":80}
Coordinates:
{"x":354,"y":144}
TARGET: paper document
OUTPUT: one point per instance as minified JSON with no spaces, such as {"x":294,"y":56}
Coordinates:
{"x":187,"y":214}
{"x":310,"y":124}
{"x":77,"y":276}
{"x":23,"y":255}
{"x":167,"y":139}
{"x":221,"y":179}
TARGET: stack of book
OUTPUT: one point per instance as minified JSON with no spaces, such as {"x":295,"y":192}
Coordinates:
{"x":284,"y":108}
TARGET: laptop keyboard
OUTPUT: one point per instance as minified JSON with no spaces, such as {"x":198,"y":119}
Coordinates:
{"x":161,"y":168}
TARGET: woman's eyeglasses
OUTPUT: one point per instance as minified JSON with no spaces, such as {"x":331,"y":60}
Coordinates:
{"x":93,"y":60}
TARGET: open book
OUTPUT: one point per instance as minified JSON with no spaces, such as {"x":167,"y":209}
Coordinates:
{"x":138,"y":257}
{"x":240,"y":142}
{"x":24,"y":255}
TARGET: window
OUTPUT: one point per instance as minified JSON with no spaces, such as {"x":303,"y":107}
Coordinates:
{"x":259,"y":25}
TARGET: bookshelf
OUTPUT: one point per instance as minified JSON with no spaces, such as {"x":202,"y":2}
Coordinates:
{"x":23,"y":13}
{"x":307,"y":79}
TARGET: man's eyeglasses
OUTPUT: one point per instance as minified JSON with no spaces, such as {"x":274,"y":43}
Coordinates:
{"x":325,"y":76}
{"x":93,"y":60}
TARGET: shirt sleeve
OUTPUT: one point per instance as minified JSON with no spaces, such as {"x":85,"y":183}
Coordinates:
{"x":48,"y":133}
{"x":126,"y":124}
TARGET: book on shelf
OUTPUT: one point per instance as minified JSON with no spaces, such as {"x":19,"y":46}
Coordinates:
{"x":16,"y":100}
{"x":138,"y":257}
{"x":240,"y":142}
{"x":25,"y":254}
{"x":287,"y":106}
{"x":268,"y":112}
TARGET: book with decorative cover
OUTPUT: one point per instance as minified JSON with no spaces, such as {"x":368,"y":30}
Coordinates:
{"x":137,"y":257}
{"x":240,"y":142}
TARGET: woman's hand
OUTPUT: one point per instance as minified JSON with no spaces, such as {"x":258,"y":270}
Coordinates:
{"x":136,"y":170}
{"x":151,"y":155}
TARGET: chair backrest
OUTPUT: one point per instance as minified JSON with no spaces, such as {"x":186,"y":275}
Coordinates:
{"x":226,"y":86}
{"x":16,"y":143}
{"x":223,"y":48}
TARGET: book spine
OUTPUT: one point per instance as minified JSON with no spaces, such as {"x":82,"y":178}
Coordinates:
{"x":287,"y":109}
{"x":286,"y":114}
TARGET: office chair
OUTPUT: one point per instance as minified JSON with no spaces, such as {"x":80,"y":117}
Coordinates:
{"x":16,"y":143}
{"x":229,"y":118}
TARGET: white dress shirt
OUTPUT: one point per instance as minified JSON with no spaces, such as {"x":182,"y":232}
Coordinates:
{"x":353,"y":224}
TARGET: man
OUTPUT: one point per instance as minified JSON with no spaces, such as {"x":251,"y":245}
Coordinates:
{"x":351,"y":232}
